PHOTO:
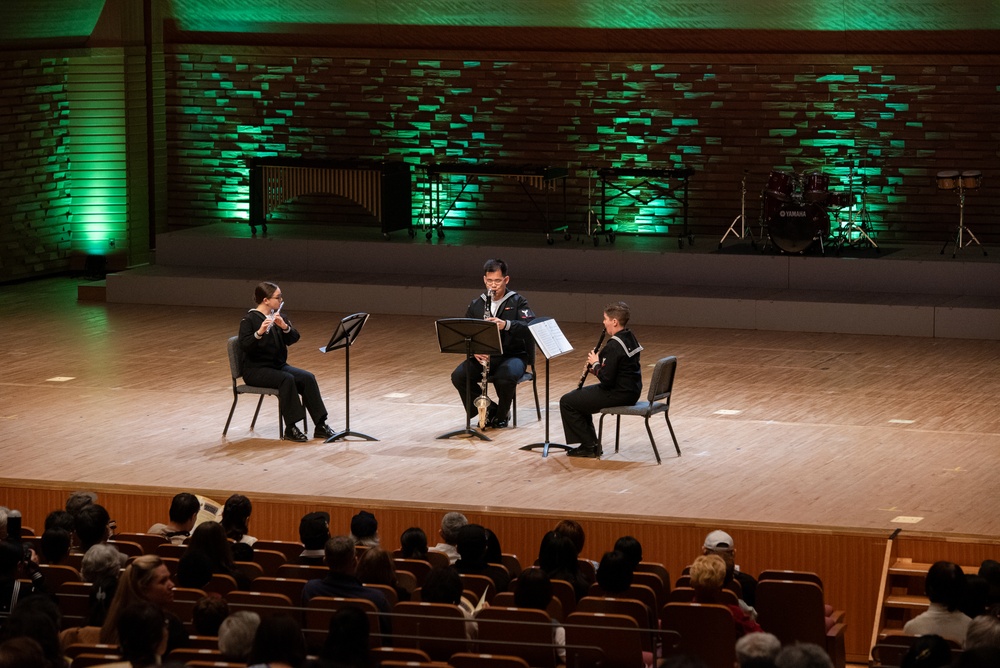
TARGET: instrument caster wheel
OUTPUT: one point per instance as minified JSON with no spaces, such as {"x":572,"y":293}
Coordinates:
{"x":429,"y":235}
{"x":440,"y":234}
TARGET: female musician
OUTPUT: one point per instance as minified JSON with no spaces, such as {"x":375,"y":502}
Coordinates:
{"x":265,"y":335}
{"x":618,"y":369}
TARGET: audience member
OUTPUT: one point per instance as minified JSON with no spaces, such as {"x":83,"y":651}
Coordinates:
{"x":631,"y":548}
{"x":803,"y":655}
{"x":980,"y":657}
{"x":944,"y":586}
{"x":4,"y":513}
{"x":364,"y":529}
{"x":614,"y":575}
{"x":145,"y":579}
{"x":38,"y":618}
{"x":60,"y":519}
{"x":990,"y":571}
{"x":93,"y":526}
{"x":208,"y":614}
{"x":975,"y":596}
{"x":182,"y":515}
{"x":236,"y":634}
{"x":557,"y":556}
{"x":102,"y":567}
{"x":443,"y":585}
{"x":494,"y":552}
{"x":983,"y":631}
{"x":347,"y":644}
{"x":278,"y":642}
{"x":375,"y":566}
{"x":450,"y":524}
{"x":78,"y":501}
{"x":471,"y":547}
{"x":14,"y":565}
{"x":208,"y":545}
{"x":342,"y":560}
{"x":708,"y":572}
{"x":142,"y":633}
{"x":236,"y":520}
{"x":757,"y":650}
{"x":22,"y":653}
{"x":574,"y":531}
{"x":534,"y":591}
{"x":54,"y":546}
{"x":314,"y":531}
{"x":413,"y":544}
{"x":929,"y":651}
{"x":721,"y":543}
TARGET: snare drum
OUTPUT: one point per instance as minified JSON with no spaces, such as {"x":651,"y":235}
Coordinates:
{"x":817,"y":187}
{"x":947,"y":180}
{"x":971,"y":179}
{"x":779,"y":185}
{"x":836,"y":200}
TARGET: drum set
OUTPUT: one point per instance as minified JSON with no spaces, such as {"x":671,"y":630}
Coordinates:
{"x":960,"y":183}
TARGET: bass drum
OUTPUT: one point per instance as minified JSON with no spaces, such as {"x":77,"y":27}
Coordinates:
{"x":795,"y":227}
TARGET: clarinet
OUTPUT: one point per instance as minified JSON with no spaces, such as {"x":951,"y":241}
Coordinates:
{"x":586,"y":369}
{"x":482,"y":402}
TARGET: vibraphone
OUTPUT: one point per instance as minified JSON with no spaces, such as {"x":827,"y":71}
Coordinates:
{"x":611,"y":178}
{"x":539,"y":177}
{"x":382,"y":189}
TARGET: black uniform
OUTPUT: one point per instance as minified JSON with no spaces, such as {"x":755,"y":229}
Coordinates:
{"x":620,"y":375}
{"x":266,"y":365}
{"x":506,"y":369}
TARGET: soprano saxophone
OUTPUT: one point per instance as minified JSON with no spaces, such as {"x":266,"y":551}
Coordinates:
{"x":482,"y":402}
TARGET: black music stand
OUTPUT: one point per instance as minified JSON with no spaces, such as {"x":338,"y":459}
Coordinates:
{"x":347,"y":331}
{"x":552,"y":343}
{"x":468,"y":336}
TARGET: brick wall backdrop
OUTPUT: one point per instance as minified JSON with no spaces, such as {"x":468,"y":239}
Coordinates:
{"x":901,"y":119}
{"x":34,"y":188}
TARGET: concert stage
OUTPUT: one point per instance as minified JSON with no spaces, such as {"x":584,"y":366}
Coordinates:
{"x":810,"y":447}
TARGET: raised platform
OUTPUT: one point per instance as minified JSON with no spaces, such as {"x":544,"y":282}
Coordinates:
{"x":902,"y":291}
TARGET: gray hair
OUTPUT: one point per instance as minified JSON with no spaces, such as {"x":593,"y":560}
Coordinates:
{"x":101,"y":563}
{"x":757,"y":646}
{"x":236,"y":634}
{"x":983,"y":631}
{"x":803,"y":655}
{"x":450,"y":524}
{"x":4,"y":511}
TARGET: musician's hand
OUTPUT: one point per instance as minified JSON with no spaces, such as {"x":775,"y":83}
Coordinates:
{"x":264,"y":327}
{"x":592,"y":358}
{"x":280,"y":322}
{"x":499,"y":323}
{"x":482,"y":359}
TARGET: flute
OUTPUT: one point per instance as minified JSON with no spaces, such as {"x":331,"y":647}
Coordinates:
{"x":272,"y":317}
{"x":586,"y":369}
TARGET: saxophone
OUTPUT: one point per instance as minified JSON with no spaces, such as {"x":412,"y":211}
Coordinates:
{"x":482,"y":402}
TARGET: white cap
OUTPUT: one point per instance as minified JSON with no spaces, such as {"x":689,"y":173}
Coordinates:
{"x":719,"y":540}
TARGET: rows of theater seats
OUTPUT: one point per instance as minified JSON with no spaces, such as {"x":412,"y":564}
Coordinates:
{"x":654,"y":619}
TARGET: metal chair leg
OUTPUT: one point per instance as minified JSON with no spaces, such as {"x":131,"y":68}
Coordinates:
{"x":232,"y":409}
{"x":652,"y":440}
{"x":254,"y":421}
{"x":671,"y":428}
{"x":618,"y":429}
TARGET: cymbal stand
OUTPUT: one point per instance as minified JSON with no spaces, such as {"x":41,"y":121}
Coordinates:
{"x":962,"y":229}
{"x":862,"y":225}
{"x":745,"y":230}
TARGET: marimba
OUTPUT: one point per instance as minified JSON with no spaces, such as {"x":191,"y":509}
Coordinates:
{"x":651,"y":180}
{"x":382,"y":189}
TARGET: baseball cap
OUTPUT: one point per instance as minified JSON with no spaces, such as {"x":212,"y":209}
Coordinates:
{"x":719,"y":540}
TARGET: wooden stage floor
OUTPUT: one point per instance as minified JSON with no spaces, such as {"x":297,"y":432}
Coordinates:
{"x":816,"y":430}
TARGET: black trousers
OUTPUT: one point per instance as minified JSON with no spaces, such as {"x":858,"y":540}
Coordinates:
{"x":503,"y":374}
{"x":578,"y":407}
{"x":290,"y":383}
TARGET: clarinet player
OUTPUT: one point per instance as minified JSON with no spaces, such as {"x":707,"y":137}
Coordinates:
{"x":511,"y":314}
{"x":619,"y":376}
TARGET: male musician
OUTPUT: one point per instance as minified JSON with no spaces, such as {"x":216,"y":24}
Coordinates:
{"x":617,"y":368}
{"x":511,"y":314}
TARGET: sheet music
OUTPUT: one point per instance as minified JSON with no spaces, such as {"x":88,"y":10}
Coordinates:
{"x":550,"y":339}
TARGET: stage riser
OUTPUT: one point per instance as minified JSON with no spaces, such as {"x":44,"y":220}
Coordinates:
{"x":794,"y":315}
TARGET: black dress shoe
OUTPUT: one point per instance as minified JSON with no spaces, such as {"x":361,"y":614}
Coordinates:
{"x":293,"y":433}
{"x":323,"y":431}
{"x":589,"y":451}
{"x":491,"y":415}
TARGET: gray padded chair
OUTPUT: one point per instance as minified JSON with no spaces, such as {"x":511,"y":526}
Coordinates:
{"x":529,"y":375}
{"x":236,"y":368}
{"x":657,"y":401}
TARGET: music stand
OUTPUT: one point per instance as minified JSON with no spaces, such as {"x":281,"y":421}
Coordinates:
{"x":468,"y":336}
{"x":552,"y":343}
{"x":347,"y":331}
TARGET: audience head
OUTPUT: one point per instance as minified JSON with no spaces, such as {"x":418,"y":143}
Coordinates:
{"x":471,"y":544}
{"x":79,"y":500}
{"x":92,"y":525}
{"x":557,"y":553}
{"x":364,"y":529}
{"x":314,"y":530}
{"x":60,"y":519}
{"x":442,"y":585}
{"x":990,"y":570}
{"x":413,"y":543}
{"x":4,"y":513}
{"x":184,"y":510}
{"x":494,"y":553}
{"x":375,"y":566}
{"x":945,"y":584}
{"x":278,"y":639}
{"x":236,"y":634}
{"x":708,"y":573}
{"x":983,"y":631}
{"x":927,"y":651}
{"x":38,"y":618}
{"x":102,"y":564}
{"x":534,"y":590}
{"x":54,"y":545}
{"x":450,"y":524}
{"x":574,"y":531}
{"x":22,"y":652}
{"x":803,"y":655}
{"x":208,"y":613}
{"x":614,"y":574}
{"x":976,"y":595}
{"x":142,"y":633}
{"x":757,"y":650}
{"x":631,"y":548}
{"x":210,"y":539}
{"x":145,"y":579}
{"x":347,"y":641}
{"x":340,"y":554}
{"x":236,"y":516}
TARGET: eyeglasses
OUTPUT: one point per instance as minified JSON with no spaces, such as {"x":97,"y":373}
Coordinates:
{"x":494,"y":281}
{"x":278,"y":297}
